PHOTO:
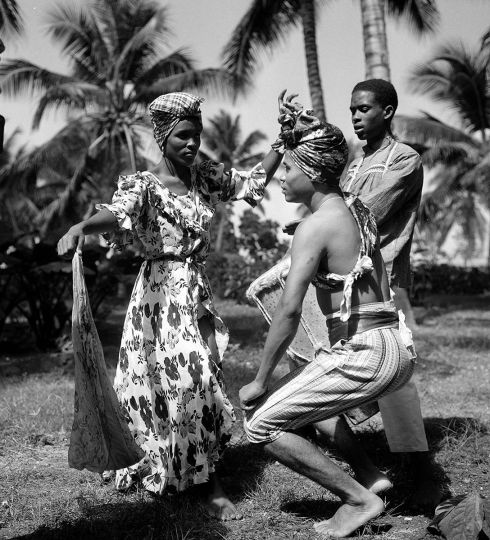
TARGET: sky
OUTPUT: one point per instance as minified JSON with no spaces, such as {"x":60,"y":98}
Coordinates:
{"x":204,"y":26}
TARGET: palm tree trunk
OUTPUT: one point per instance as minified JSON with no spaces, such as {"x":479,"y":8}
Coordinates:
{"x":375,"y":43}
{"x":220,"y":233}
{"x":311,"y":53}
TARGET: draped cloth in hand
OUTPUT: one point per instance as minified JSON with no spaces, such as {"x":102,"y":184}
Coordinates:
{"x":100,"y":439}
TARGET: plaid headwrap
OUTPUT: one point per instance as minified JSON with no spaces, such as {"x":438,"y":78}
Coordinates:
{"x":317,"y":148}
{"x":167,"y":110}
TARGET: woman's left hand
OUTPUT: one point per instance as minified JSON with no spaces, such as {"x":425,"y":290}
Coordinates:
{"x":250,"y":393}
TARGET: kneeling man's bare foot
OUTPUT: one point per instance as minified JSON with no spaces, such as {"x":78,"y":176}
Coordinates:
{"x":379,"y":485}
{"x":374,"y":480}
{"x":350,"y":517}
{"x":217,"y":504}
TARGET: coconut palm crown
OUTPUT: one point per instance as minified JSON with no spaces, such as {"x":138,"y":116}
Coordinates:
{"x":458,"y":156}
{"x":223,"y":142}
{"x":267,"y":23}
{"x":118,"y":64}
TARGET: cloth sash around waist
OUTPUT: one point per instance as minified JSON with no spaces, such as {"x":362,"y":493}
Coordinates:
{"x":360,"y":322}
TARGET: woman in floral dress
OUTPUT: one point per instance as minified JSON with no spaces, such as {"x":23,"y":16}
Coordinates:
{"x":169,"y":378}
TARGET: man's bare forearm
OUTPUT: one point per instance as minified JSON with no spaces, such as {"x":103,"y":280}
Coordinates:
{"x":282,"y":331}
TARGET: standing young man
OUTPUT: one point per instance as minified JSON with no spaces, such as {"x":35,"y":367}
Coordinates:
{"x":388,"y":179}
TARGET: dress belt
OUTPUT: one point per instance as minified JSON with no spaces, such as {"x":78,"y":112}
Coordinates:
{"x":176,"y":258}
{"x":360,"y":322}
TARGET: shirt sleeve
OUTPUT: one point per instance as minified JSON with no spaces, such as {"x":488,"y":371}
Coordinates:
{"x":233,"y":185}
{"x":401,"y":182}
{"x":127,"y":206}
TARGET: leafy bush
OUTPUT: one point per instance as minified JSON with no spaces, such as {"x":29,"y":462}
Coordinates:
{"x":36,"y":288}
{"x":446,"y":279}
{"x":230,"y":273}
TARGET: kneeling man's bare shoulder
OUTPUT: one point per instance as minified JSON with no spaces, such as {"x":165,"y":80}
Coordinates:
{"x":313,"y":233}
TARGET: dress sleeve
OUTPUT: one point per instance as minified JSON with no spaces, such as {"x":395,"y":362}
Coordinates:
{"x":401,"y":182}
{"x":233,"y":185}
{"x":128,"y":207}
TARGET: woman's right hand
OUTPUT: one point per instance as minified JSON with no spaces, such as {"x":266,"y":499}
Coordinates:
{"x":73,"y":239}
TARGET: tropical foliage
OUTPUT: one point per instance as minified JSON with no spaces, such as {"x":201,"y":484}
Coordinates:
{"x":458,"y":155}
{"x":11,"y":21}
{"x":223,"y":143}
{"x":117,"y":51}
{"x":421,"y":15}
{"x":267,"y":23}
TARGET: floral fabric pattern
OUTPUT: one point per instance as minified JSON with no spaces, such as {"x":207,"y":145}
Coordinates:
{"x":168,"y":382}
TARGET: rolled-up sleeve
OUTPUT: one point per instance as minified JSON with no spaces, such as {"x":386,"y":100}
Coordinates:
{"x":234,"y":185}
{"x":401,"y":182}
{"x":127,"y":206}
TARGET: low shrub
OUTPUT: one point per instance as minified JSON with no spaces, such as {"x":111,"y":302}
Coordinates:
{"x":430,"y":279}
{"x":36,"y":289}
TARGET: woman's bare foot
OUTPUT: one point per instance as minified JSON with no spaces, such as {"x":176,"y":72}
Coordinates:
{"x":216,"y":502}
{"x":350,"y":517}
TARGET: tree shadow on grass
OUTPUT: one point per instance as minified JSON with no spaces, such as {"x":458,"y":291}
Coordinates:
{"x":241,"y":468}
{"x":175,"y":518}
{"x":443,"y":434}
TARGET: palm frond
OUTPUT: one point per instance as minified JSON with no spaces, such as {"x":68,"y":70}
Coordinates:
{"x":459,"y":78}
{"x":22,"y":76}
{"x":210,"y":81}
{"x":141,"y":43}
{"x":77,"y":31}
{"x":177,"y":62}
{"x":11,"y":20}
{"x":265,"y":24}
{"x":477,"y":178}
{"x":449,"y":154}
{"x":64,"y":151}
{"x":144,"y":40}
{"x":72,"y":96}
{"x":427,"y":131}
{"x":422,"y":15}
{"x":250,"y":141}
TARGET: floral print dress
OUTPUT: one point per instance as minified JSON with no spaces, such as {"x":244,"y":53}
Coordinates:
{"x":168,"y":382}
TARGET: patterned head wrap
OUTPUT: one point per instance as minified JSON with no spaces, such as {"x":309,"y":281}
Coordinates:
{"x":317,"y":148}
{"x":167,"y":110}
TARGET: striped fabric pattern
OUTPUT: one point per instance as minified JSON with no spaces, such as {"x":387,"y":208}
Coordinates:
{"x":368,"y":366}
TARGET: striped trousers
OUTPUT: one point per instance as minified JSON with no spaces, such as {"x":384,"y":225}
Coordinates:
{"x":351,"y":373}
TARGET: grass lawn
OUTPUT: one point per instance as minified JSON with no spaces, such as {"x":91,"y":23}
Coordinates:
{"x":40,"y":497}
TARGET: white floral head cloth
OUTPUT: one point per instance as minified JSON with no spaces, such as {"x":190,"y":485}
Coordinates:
{"x":167,"y":110}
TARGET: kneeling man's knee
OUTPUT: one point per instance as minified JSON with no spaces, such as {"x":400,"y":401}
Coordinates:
{"x":256,"y":430}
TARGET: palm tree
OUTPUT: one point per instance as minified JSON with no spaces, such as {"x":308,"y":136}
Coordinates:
{"x":422,"y":16}
{"x":11,"y":23}
{"x":458,"y":155}
{"x":223,"y":143}
{"x":17,"y":211}
{"x":116,"y":50}
{"x":267,"y":23}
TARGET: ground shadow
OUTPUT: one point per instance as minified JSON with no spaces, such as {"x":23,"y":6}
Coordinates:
{"x":241,"y":468}
{"x":440,"y":432}
{"x":163,"y":518}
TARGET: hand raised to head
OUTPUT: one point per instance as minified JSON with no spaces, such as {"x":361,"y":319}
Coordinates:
{"x":292,"y":113}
